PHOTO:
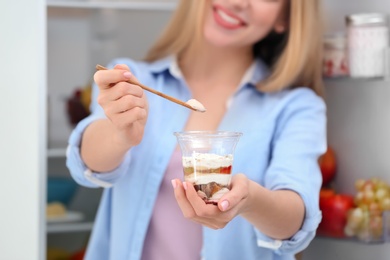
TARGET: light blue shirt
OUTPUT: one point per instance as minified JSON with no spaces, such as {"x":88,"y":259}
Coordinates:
{"x":284,"y":133}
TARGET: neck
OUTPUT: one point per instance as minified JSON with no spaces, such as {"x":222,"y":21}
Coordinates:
{"x":214,"y":64}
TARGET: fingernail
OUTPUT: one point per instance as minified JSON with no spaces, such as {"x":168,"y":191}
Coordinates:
{"x":127,"y":74}
{"x":174,"y":185}
{"x":185,"y":185}
{"x":224,"y":205}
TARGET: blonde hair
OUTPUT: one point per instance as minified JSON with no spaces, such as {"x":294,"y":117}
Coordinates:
{"x":295,"y":57}
{"x":183,"y":31}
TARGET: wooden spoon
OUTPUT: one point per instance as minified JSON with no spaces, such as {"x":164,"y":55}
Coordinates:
{"x":191,"y":104}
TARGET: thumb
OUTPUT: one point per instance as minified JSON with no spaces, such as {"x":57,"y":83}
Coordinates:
{"x":121,"y":67}
{"x":131,"y":78}
{"x":238,"y":191}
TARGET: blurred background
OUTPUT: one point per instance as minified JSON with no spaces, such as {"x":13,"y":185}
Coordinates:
{"x":49,"y":52}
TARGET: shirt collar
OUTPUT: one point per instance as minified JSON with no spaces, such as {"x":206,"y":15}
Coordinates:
{"x":255,"y":73}
{"x":160,"y":65}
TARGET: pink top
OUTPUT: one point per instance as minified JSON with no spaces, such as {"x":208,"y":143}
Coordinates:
{"x":170,"y":235}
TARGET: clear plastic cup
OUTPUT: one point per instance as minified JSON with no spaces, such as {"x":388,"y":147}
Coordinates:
{"x":207,"y":158}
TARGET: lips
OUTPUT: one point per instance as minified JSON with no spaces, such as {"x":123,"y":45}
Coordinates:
{"x":227,"y":19}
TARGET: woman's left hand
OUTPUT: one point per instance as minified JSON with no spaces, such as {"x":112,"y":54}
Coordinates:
{"x":230,"y":205}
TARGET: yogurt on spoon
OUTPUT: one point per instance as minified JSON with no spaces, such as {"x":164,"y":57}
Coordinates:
{"x":195,"y":104}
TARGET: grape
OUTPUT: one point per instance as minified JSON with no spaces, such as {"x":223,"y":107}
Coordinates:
{"x":355,"y":218}
{"x":368,"y":186}
{"x":385,"y":204}
{"x":359,"y":183}
{"x":359,"y":198}
{"x":381,"y":193}
{"x":368,"y":196}
{"x":365,"y":221}
{"x":349,"y":231}
{"x":374,"y":209}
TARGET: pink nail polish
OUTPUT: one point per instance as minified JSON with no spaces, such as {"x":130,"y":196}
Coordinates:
{"x":224,"y":205}
{"x":185,"y":185}
{"x":127,"y":74}
{"x":174,"y":185}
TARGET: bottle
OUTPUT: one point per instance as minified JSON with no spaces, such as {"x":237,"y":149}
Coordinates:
{"x":335,"y":62}
{"x":367,"y":40}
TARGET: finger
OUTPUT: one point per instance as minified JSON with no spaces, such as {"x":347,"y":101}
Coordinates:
{"x":122,"y":67}
{"x":237,"y":193}
{"x":188,"y":210}
{"x":127,"y":118}
{"x":118,"y":91}
{"x":124,"y":104}
{"x":201,"y":208}
{"x":184,"y":204}
{"x":106,"y":78}
{"x":125,"y":67}
{"x":129,"y":102}
{"x":207,"y":214}
{"x":121,"y":89}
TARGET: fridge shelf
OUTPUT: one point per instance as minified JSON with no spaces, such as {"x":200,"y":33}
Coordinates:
{"x":52,"y":228}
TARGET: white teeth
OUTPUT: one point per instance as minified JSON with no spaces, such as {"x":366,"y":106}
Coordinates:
{"x":228,"y":18}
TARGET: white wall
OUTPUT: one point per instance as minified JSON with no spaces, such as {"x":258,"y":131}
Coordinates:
{"x":22,"y":131}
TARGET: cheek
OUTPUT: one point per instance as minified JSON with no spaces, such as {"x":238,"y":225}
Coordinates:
{"x":258,"y":33}
{"x":262,"y":25}
{"x":208,"y":27}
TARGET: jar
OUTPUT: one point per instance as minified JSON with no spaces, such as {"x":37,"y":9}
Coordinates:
{"x":335,"y":62}
{"x":368,"y":38}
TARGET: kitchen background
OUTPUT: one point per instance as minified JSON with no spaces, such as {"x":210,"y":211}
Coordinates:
{"x":49,"y":51}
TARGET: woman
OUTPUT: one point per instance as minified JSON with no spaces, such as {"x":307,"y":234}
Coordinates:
{"x":255,"y":65}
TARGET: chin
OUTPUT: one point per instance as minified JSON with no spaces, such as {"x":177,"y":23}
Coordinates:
{"x":220,"y":41}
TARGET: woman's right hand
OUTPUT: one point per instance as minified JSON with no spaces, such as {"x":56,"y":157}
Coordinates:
{"x":124,"y":104}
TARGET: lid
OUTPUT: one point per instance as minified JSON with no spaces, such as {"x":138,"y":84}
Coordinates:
{"x":335,"y":40}
{"x":366,"y":19}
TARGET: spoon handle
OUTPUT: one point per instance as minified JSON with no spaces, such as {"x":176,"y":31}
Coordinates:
{"x":172,"y":99}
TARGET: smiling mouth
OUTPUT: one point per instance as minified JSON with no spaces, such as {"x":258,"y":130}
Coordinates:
{"x":227,"y":20}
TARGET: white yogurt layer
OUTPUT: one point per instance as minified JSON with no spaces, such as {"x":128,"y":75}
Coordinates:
{"x":207,"y":160}
{"x":204,"y":178}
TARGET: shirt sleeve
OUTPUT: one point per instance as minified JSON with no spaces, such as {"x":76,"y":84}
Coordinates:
{"x":78,"y":170}
{"x":299,"y":140}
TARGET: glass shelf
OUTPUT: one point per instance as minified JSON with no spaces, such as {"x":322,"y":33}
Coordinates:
{"x":52,"y":228}
{"x":352,"y":239}
{"x":56,"y":152}
{"x":357,"y":80}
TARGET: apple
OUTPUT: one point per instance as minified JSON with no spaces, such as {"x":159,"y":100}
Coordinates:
{"x":79,"y":255}
{"x":325,"y":194}
{"x":335,"y":208}
{"x":327,"y":163}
